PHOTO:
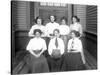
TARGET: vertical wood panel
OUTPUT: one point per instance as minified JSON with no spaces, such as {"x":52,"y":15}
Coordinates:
{"x":32,"y":17}
{"x":80,"y":11}
{"x":13,"y":22}
{"x":70,"y":12}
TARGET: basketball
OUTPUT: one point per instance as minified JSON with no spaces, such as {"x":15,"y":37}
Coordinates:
{"x":56,"y":53}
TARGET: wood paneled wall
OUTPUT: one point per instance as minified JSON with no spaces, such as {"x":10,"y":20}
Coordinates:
{"x":80,"y":11}
{"x":91,"y":19}
{"x":91,"y":29}
{"x":88,"y":19}
{"x":21,"y":17}
{"x":20,"y":20}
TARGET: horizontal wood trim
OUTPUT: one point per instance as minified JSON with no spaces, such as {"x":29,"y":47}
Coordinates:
{"x":91,"y":35}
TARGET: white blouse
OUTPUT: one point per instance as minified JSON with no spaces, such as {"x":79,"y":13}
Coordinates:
{"x":52,"y":46}
{"x":50,"y":27}
{"x":41,"y":27}
{"x":77,"y":27}
{"x":64,"y":29}
{"x":36,"y":44}
{"x":75,"y":44}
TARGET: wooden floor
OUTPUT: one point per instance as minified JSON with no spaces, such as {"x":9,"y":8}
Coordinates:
{"x":20,"y":67}
{"x":91,"y":62}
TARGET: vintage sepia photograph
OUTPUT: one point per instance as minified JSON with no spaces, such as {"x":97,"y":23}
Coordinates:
{"x":49,"y":37}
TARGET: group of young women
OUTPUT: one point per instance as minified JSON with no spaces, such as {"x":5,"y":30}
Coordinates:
{"x":62,"y":42}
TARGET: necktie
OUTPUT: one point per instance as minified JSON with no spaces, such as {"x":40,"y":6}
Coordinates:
{"x":56,"y":42}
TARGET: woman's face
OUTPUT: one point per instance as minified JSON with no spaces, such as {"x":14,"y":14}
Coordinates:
{"x":37,"y":34}
{"x":39,"y":21}
{"x":56,"y":33}
{"x":74,"y":19}
{"x":52,"y":18}
{"x":63,"y":22}
{"x":72,"y":34}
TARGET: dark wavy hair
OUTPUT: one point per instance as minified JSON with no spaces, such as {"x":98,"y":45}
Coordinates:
{"x":38,"y":17}
{"x":77,"y":34}
{"x":56,"y":30}
{"x":37,"y":30}
{"x":54,"y":17}
{"x":64,"y":18}
{"x":77,"y":19}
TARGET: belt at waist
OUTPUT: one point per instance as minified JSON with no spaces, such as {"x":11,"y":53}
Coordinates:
{"x":37,"y":51}
{"x":73,"y":51}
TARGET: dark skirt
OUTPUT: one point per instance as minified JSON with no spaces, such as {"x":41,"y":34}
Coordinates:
{"x":72,"y":61}
{"x":37,"y":65}
{"x":55,"y":64}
